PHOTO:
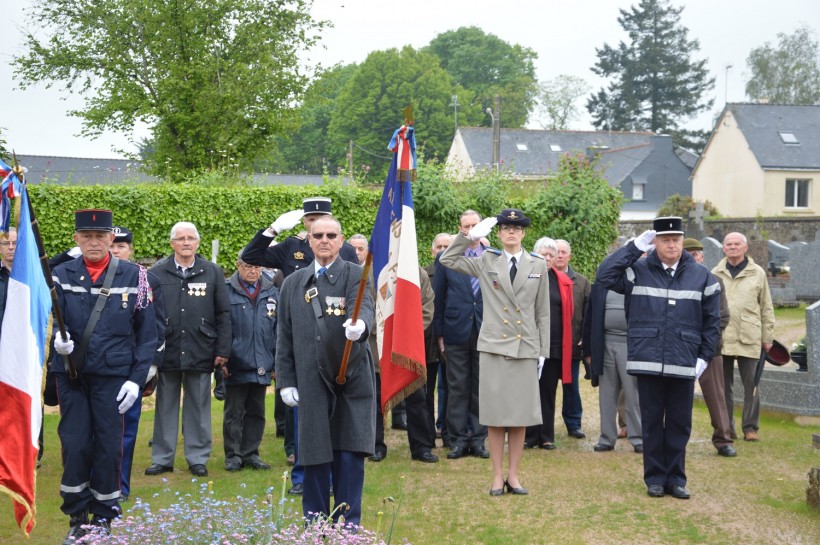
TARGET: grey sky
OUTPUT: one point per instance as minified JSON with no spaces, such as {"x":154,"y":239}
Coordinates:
{"x":564,"y":34}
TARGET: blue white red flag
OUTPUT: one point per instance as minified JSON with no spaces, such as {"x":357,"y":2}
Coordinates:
{"x":9,"y":189}
{"x":22,"y":355}
{"x":400,"y":330}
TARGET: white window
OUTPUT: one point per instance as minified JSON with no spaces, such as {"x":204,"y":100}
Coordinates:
{"x":797,"y":193}
{"x":555,"y":147}
{"x":637,"y":191}
{"x":789,"y":138}
{"x":521,"y":146}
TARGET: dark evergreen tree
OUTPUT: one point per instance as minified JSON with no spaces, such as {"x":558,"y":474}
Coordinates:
{"x":654,"y":82}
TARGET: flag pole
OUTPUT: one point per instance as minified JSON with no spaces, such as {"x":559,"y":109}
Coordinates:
{"x":35,"y":228}
{"x":340,"y":379}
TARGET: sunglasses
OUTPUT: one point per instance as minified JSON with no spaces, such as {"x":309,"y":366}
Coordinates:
{"x":320,"y":236}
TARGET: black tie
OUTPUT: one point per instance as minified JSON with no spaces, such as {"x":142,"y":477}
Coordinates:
{"x":513,"y":270}
{"x":182,"y":271}
{"x":670,"y":272}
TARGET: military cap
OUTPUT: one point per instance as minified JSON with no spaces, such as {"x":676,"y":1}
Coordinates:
{"x":670,"y":225}
{"x":513,"y":216}
{"x":123,"y":234}
{"x":316,"y":205}
{"x":93,"y":220}
{"x":692,"y":244}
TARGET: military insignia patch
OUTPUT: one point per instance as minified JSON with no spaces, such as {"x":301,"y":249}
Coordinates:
{"x":298,"y":255}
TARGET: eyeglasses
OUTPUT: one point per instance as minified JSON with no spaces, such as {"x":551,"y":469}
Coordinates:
{"x":320,"y":236}
{"x":5,"y":243}
{"x":513,"y":228}
{"x":185,"y":239}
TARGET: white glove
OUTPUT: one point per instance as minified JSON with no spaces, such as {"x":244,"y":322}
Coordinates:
{"x":63,"y":347}
{"x":700,"y":367}
{"x":152,"y":371}
{"x":290,"y":396}
{"x":128,"y":395}
{"x":287,"y":221}
{"x":482,"y":228}
{"x":644,"y":241}
{"x":353,"y":330}
{"x":541,"y":360}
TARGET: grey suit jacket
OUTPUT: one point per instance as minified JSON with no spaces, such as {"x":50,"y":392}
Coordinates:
{"x":516,"y":316}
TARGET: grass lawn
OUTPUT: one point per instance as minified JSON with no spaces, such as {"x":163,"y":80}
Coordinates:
{"x":577,"y":496}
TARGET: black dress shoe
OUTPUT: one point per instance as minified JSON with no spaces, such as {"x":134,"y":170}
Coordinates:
{"x":655,"y":490}
{"x":378,"y":456}
{"x":678,"y":492}
{"x":158,"y":469}
{"x":76,"y":530}
{"x":727,"y":451}
{"x":479,"y":452}
{"x":198,"y":470}
{"x":296,"y":489}
{"x":638,"y":449}
{"x":426,"y":457}
{"x":232,"y":466}
{"x":578,"y":434}
{"x":497,"y":491}
{"x":602,"y":448}
{"x":457,"y":452}
{"x":547,"y":446}
{"x":530,"y":444}
{"x":520,"y":491}
{"x":258,"y":464}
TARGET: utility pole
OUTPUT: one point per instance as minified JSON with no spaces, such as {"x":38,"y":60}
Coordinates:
{"x":497,"y":133}
{"x":455,"y":106}
{"x":350,"y":160}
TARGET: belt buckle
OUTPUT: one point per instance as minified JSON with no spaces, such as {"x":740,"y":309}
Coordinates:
{"x":105,"y":292}
{"x":310,"y":294}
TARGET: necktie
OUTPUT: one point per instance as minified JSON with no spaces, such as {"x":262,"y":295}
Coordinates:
{"x":321,"y":271}
{"x":670,"y":272}
{"x":182,"y":271}
{"x":475,"y":285}
{"x":513,"y":270}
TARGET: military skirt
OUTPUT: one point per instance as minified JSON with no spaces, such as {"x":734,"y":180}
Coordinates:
{"x":508,"y":391}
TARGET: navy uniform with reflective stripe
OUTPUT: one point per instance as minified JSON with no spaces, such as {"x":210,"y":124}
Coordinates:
{"x":120,"y":349}
{"x":672,"y":321}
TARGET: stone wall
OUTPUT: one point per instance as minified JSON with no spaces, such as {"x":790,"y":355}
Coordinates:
{"x":783,"y":230}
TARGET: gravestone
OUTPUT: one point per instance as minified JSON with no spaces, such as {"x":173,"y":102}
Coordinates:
{"x":712,"y":252}
{"x":786,"y":390}
{"x":759,"y":252}
{"x":778,"y":257}
{"x":804,"y":265}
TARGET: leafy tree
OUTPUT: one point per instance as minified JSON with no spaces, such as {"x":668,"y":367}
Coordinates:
{"x":577,"y":205}
{"x":306,"y":149}
{"x":557,"y":101}
{"x":654,"y":82}
{"x":215,"y":80}
{"x":489,"y":66}
{"x":788,"y":73}
{"x":681,"y":205}
{"x":369,"y":107}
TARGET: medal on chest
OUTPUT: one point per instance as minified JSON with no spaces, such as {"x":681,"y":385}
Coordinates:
{"x":336,"y":306}
{"x":197,"y":289}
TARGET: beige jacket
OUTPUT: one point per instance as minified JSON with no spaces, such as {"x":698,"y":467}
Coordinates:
{"x":751,"y":321}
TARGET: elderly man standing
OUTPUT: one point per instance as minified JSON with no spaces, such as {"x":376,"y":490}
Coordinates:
{"x":107,"y":309}
{"x":247,"y":374}
{"x":197,"y":340}
{"x":750,"y":329}
{"x":337,"y":422}
{"x":673,"y":316}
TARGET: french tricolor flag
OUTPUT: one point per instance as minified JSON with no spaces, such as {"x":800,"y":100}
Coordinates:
{"x":400,"y":331}
{"x":22,"y":354}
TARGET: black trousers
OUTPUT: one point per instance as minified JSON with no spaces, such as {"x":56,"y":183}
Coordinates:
{"x":462,"y":394}
{"x":547,"y":386}
{"x":420,"y":431}
{"x":244,"y":421}
{"x":666,"y":421}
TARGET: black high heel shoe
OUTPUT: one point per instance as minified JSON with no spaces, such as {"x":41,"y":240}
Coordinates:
{"x":520,"y":491}
{"x":497,"y":491}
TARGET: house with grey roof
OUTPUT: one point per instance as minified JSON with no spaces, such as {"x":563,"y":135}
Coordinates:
{"x":645,"y":166}
{"x":89,"y":171}
{"x":762,"y":160}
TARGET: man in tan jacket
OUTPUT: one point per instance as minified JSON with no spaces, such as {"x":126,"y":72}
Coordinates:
{"x":750,"y":329}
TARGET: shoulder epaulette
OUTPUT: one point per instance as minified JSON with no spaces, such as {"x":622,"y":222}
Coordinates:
{"x":493,"y":251}
{"x":533,"y":254}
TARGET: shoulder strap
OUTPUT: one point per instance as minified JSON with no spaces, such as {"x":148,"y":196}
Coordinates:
{"x":312,"y":295}
{"x":79,"y":356}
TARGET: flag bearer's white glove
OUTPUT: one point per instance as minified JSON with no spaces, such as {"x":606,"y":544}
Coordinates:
{"x":290,"y":396}
{"x":128,"y":395}
{"x":700,"y":367}
{"x":353,"y":330}
{"x":63,"y":347}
